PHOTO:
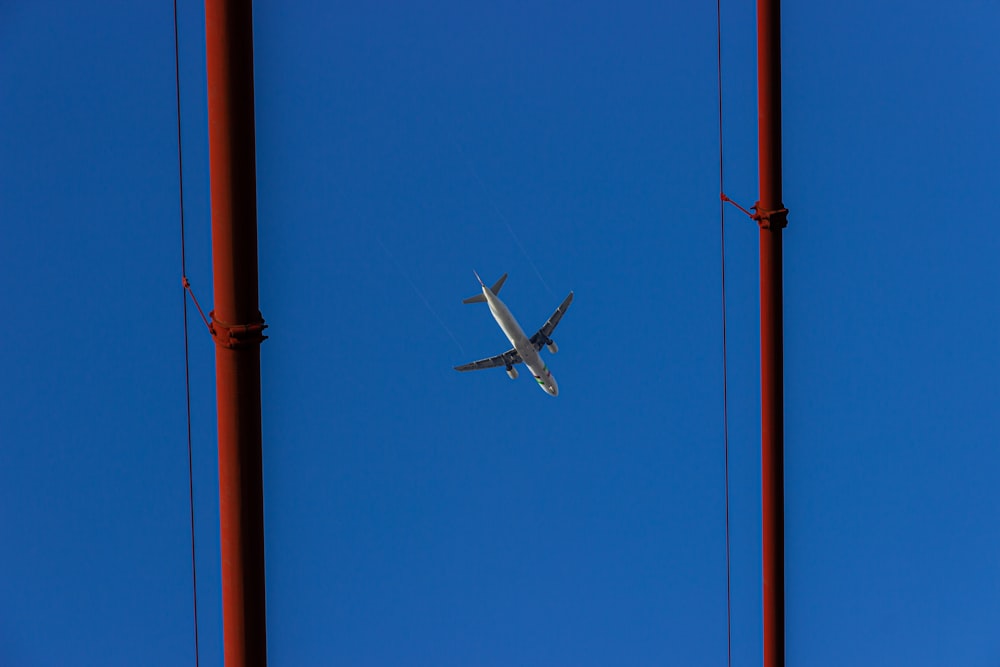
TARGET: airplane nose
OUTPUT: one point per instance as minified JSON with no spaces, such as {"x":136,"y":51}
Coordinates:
{"x":553,"y":389}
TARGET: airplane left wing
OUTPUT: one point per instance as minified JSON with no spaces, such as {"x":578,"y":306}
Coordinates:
{"x":542,"y":337}
{"x":508,"y":358}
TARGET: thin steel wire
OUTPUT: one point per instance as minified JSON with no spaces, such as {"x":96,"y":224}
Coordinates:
{"x":725,"y":369}
{"x":187,"y":355}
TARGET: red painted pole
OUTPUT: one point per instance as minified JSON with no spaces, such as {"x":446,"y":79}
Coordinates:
{"x":237,"y":326}
{"x":771,"y":217}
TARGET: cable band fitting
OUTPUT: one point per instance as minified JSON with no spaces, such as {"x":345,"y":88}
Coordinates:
{"x":237,"y":336}
{"x":768,"y":219}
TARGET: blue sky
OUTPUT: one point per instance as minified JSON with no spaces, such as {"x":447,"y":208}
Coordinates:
{"x":415,"y":515}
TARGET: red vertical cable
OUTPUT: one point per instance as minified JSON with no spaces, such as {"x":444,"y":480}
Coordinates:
{"x":725,"y":355}
{"x":771,"y":216}
{"x":187,"y":355}
{"x":237,"y":326}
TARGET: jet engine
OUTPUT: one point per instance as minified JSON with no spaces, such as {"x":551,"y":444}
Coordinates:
{"x":553,"y":348}
{"x":512,"y":372}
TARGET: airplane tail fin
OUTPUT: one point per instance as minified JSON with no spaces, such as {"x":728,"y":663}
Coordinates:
{"x":481,"y":298}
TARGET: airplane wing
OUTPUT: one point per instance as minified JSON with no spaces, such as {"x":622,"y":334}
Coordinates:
{"x":542,"y":337}
{"x":508,"y":358}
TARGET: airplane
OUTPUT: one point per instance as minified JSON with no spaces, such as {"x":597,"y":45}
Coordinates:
{"x":525,"y":349}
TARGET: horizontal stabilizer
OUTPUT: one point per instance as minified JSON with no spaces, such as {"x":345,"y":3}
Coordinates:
{"x":498,"y":284}
{"x":481,"y":298}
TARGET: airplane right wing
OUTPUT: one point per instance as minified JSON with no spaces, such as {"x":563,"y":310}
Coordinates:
{"x":508,"y":358}
{"x":542,"y":337}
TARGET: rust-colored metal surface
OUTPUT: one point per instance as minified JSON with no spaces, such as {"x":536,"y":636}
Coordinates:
{"x":771,"y":216}
{"x":237,"y":326}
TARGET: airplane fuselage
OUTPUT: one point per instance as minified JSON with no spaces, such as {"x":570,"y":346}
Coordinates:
{"x":526,"y":350}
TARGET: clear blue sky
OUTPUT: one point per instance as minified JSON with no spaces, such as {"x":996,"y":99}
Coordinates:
{"x":418,"y":516}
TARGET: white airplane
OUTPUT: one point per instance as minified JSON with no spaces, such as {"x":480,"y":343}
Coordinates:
{"x":525,"y":349}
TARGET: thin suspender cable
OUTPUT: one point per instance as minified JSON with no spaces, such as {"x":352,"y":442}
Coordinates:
{"x":187,"y":356}
{"x":725,"y":370}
